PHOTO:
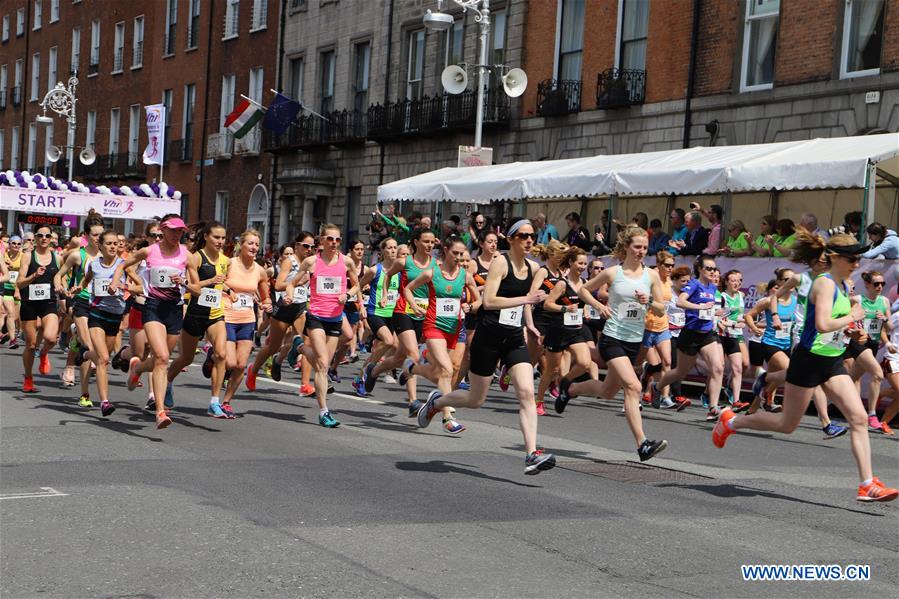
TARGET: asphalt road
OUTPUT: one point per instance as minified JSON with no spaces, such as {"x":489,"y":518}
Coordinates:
{"x":273,"y":505}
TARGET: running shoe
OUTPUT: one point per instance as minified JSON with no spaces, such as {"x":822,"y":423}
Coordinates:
{"x":330,"y":388}
{"x":541,"y":411}
{"x":67,"y":376}
{"x":453,"y":426}
{"x":740,"y":406}
{"x":553,"y":390}
{"x":206,"y":369}
{"x":876,"y":491}
{"x":414,"y":407}
{"x":729,"y":395}
{"x":713,"y":414}
{"x":704,"y":398}
{"x":150,"y":406}
{"x":770,"y":406}
{"x":359,"y":387}
{"x":538,"y":462}
{"x":391,"y":377}
{"x":654,"y":390}
{"x":464,"y":385}
{"x":116,"y":362}
{"x":832,"y":431}
{"x":647,"y":399}
{"x":722,"y":431}
{"x":354,"y":358}
{"x":250,"y":378}
{"x":4,"y":338}
{"x":14,"y":344}
{"x":169,"y":400}
{"x":368,"y":380}
{"x":406,"y":372}
{"x":85,"y":401}
{"x":276,"y":369}
{"x":215,"y":410}
{"x":428,"y":411}
{"x":28,"y":385}
{"x":328,"y":421}
{"x":654,"y":401}
{"x":44,"y":367}
{"x":333,"y":376}
{"x":294,"y":354}
{"x":667,"y":403}
{"x":133,"y":376}
{"x":758,"y":386}
{"x":162,"y":420}
{"x":885,"y":428}
{"x":307,"y":390}
{"x":106,"y":408}
{"x":228,"y":410}
{"x":564,"y":396}
{"x":682,"y":402}
{"x":505,"y":379}
{"x":649,"y":449}
{"x":874,"y":425}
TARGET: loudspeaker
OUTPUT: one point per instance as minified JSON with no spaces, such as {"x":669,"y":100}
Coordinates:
{"x":53,"y":153}
{"x":515,"y":82}
{"x":454,"y":79}
{"x":87,"y":156}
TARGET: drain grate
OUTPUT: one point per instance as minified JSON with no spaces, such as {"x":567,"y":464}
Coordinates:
{"x":630,"y":472}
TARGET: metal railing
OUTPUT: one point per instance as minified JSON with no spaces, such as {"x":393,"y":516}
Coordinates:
{"x":118,"y":60}
{"x":220,"y":145}
{"x":620,"y":87}
{"x":443,"y":112}
{"x":557,"y":97}
{"x":308,"y":131}
{"x":137,"y":54}
{"x":106,"y":167}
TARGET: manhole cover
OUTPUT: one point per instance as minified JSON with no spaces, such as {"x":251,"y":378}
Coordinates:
{"x":630,"y":472}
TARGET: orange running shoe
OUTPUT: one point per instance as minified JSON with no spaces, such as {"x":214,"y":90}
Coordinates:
{"x":721,"y":431}
{"x":885,"y":428}
{"x":876,"y":491}
{"x":162,"y":420}
{"x":541,"y":411}
{"x":44,"y":367}
{"x":307,"y":390}
{"x":250,"y":382}
{"x":28,"y":385}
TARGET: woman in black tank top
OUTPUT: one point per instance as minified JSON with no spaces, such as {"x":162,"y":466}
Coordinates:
{"x":501,"y":339}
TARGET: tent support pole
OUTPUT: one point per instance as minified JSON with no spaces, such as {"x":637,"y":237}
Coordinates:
{"x":870,"y":199}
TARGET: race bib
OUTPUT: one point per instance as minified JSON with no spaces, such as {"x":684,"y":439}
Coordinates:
{"x":365,"y":299}
{"x":392,"y":296}
{"x":161,"y":277}
{"x":893,"y":366}
{"x":784,"y":332}
{"x":511,"y":316}
{"x":630,"y":311}
{"x":244,"y":301}
{"x":300,"y":294}
{"x":733,"y":332}
{"x":13,"y":276}
{"x":835,"y":339}
{"x":327,"y":285}
{"x":873,"y":326}
{"x":210,"y":297}
{"x":592,"y":312}
{"x":707,"y":314}
{"x":421,"y":302}
{"x":573,"y":319}
{"x":678,"y":319}
{"x":101,"y":287}
{"x":448,"y":306}
{"x":39,"y":291}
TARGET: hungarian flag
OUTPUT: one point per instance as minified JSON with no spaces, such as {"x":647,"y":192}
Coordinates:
{"x":243,"y":118}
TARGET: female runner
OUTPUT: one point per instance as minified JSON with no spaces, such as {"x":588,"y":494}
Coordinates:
{"x":877,"y":313}
{"x":478,"y":267}
{"x":353,"y":313}
{"x":656,"y":336}
{"x":537,"y":319}
{"x":777,"y":338}
{"x":730,"y":334}
{"x":12,"y":259}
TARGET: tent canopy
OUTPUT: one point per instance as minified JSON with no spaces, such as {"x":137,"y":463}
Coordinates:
{"x":811,"y":164}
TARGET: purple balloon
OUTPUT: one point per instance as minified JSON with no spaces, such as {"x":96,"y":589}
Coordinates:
{"x":155,"y":188}
{"x":115,"y":190}
{"x":38,"y":178}
{"x":41,"y":186}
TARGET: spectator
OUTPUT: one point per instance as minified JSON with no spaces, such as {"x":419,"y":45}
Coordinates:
{"x":641,"y":220}
{"x":885,"y":242}
{"x":714,"y":214}
{"x":697,"y":236}
{"x":477,"y":223}
{"x":396,"y":225}
{"x":737,"y":244}
{"x":545,"y":231}
{"x":599,"y":246}
{"x":577,"y":235}
{"x":853,"y":223}
{"x":605,"y":221}
{"x":782,"y":243}
{"x":659,"y":239}
{"x":809,"y":222}
{"x":678,"y":230}
{"x":761,"y":246}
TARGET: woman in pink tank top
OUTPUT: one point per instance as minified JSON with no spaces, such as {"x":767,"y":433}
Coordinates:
{"x":329,"y":272}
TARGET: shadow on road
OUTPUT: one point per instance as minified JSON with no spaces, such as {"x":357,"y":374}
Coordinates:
{"x":442,"y":467}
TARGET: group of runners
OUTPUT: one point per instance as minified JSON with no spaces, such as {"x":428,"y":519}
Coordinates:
{"x":462,"y":322}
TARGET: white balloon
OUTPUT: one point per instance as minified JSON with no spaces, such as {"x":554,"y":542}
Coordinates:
{"x":32,"y":185}
{"x":177,"y":195}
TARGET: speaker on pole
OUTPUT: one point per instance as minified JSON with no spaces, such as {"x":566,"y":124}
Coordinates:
{"x":53,"y":154}
{"x":87,"y":156}
{"x":454,"y":79}
{"x":515,"y":82}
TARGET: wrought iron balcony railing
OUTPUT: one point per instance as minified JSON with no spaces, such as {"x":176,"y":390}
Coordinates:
{"x":620,"y":87}
{"x":343,"y":127}
{"x":558,"y":97}
{"x":440,"y":113}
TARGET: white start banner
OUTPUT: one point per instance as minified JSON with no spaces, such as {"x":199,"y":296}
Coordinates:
{"x":47,"y":201}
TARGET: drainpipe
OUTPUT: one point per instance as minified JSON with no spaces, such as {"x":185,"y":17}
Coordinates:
{"x":274,"y":169}
{"x":205,"y":117}
{"x":382,"y":156}
{"x":691,"y":75}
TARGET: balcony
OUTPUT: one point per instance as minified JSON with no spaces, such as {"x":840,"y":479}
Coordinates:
{"x":308,"y":132}
{"x":118,"y":60}
{"x":137,"y":55}
{"x":220,"y":145}
{"x":16,"y":98}
{"x":440,"y":113}
{"x":107,"y":167}
{"x":558,"y":97}
{"x":180,"y":150}
{"x":249,"y":144}
{"x":616,"y":88}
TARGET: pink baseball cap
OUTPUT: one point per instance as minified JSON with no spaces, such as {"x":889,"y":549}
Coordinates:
{"x":173,"y":223}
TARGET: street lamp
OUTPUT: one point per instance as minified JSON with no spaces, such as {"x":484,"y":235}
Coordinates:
{"x":62,"y":101}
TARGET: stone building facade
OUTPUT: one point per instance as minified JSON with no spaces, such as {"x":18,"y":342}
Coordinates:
{"x":759,"y":71}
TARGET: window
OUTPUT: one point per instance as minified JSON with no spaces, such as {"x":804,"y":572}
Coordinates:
{"x":51,"y":68}
{"x":38,"y":14}
{"x":256,"y":81}
{"x":759,"y":43}
{"x":54,"y":11}
{"x":297,"y":4}
{"x":5,"y":28}
{"x":114,"y":122}
{"x":118,"y":58}
{"x":48,"y":141}
{"x":17,"y":83}
{"x":326,"y":89}
{"x":76,"y":49}
{"x":137,"y":43}
{"x":14,"y":149}
{"x":260,"y":15}
{"x":35,"y":76}
{"x":190,"y":99}
{"x":167,"y":101}
{"x":4,"y":81}
{"x":221,"y":207}
{"x":571,"y":40}
{"x":415,"y":66}
{"x":227,"y":100}
{"x":32,"y":147}
{"x":193,"y":26}
{"x":171,"y":22}
{"x":634,"y":31}
{"x":90,"y":136}
{"x":360,"y":77}
{"x":497,"y":45}
{"x":297,"y":72}
{"x":454,"y":43}
{"x":94,"y":66}
{"x":20,"y":22}
{"x":862,"y":38}
{"x":133,"y":134}
{"x":232,"y":18}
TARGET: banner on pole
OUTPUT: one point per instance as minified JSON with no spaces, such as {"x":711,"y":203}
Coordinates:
{"x":155,"y":134}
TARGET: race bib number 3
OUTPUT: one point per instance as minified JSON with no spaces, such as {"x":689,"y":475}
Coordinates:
{"x":162,"y":277}
{"x":327,"y":285}
{"x":101,"y":287}
{"x":210,"y":298}
{"x":593,"y":313}
{"x":630,"y":311}
{"x":573,"y":319}
{"x":39,"y":291}
{"x":448,"y":306}
{"x":511,"y":316}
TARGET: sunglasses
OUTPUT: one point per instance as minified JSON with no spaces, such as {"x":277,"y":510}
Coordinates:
{"x":41,"y":236}
{"x":156,"y":235}
{"x":532,"y":236}
{"x":479,"y":222}
{"x":306,"y":246}
{"x":596,"y":267}
{"x":878,"y":283}
{"x":332,"y":239}
{"x":668,"y":264}
{"x":710,"y":268}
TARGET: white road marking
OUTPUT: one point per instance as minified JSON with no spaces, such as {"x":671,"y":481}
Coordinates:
{"x":335,"y":394}
{"x":44,"y":492}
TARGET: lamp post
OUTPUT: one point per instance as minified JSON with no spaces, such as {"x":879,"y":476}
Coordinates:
{"x":62,"y":100}
{"x":440,"y":21}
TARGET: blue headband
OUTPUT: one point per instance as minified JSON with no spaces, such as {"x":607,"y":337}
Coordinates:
{"x":517,"y":225}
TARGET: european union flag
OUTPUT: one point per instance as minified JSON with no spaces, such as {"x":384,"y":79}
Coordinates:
{"x":281,"y":113}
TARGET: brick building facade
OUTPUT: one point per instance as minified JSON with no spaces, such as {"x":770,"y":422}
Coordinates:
{"x":126,"y":55}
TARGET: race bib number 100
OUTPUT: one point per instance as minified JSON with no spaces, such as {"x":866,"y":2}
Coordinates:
{"x":327,"y":285}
